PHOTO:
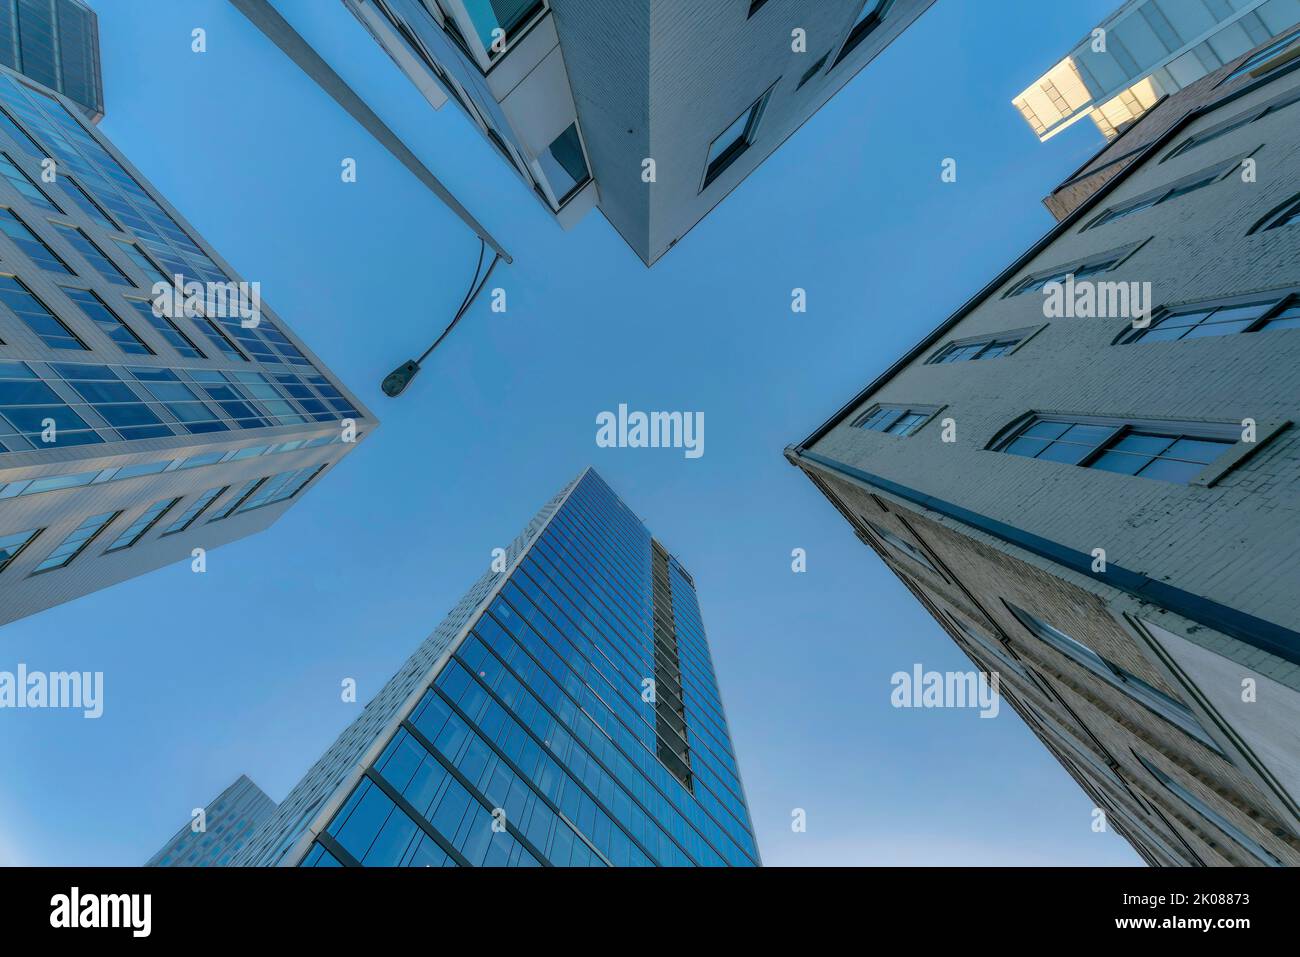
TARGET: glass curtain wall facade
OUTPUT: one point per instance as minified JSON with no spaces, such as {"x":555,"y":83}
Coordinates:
{"x":574,"y":720}
{"x":56,"y":43}
{"x":228,"y":822}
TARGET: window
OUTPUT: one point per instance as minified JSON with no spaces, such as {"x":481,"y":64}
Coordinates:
{"x":97,"y":311}
{"x":1169,"y":452}
{"x":88,"y":204}
{"x":11,"y":546}
{"x":813,"y":70}
{"x":30,"y":243}
{"x":280,"y":487}
{"x":1233,"y":123}
{"x":1288,"y":214}
{"x":1262,"y":57}
{"x":1079,"y":270}
{"x":1152,"y":698}
{"x":188,"y":517}
{"x":33,"y":313}
{"x":179,"y":399}
{"x":508,"y":16}
{"x":1211,"y":815}
{"x":19,"y":136}
{"x":24,"y":184}
{"x":238,"y":499}
{"x":93,"y":254}
{"x":140,"y":527}
{"x":902,"y":545}
{"x":104,"y":391}
{"x":755,"y":6}
{"x":1220,"y":318}
{"x":26,"y":402}
{"x":152,"y":273}
{"x":170,"y":332}
{"x":735,"y":139}
{"x":981,"y":347}
{"x":893,"y":419}
{"x":1182,"y":187}
{"x":76,"y":542}
{"x":564,"y":166}
{"x":869,"y":17}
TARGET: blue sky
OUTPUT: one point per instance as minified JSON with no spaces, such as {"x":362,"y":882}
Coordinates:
{"x":238,"y":671}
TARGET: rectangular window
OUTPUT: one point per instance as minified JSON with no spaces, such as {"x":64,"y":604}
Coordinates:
{"x":564,"y":165}
{"x":19,"y":136}
{"x":24,"y":184}
{"x":1214,"y":817}
{"x":1168,"y":452}
{"x":280,"y":487}
{"x":30,"y":243}
{"x":981,"y":347}
{"x":1270,"y":52}
{"x":238,"y":499}
{"x":188,"y":517}
{"x":1289,"y":215}
{"x":894,"y":419}
{"x":1181,"y":187}
{"x":755,"y":6}
{"x":735,"y":139}
{"x":170,"y":332}
{"x":76,"y":542}
{"x":813,"y":70}
{"x":1080,"y":270}
{"x":11,"y":546}
{"x":179,"y":399}
{"x":26,"y":403}
{"x":868,"y":19}
{"x":152,"y":273}
{"x":140,"y":527}
{"x":34,"y":314}
{"x":93,"y":254}
{"x":111,"y":398}
{"x":1221,"y":318}
{"x":903,"y":545}
{"x":1152,"y":698}
{"x":88,"y":204}
{"x":97,"y":311}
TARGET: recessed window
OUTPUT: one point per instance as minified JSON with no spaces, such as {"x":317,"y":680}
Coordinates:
{"x":1211,"y":815}
{"x":564,"y":165}
{"x":1079,"y":270}
{"x":982,"y":347}
{"x":755,"y":6}
{"x":903,"y":545}
{"x":1234,"y":123}
{"x":1220,"y":318}
{"x":76,"y":542}
{"x":34,"y":314}
{"x":108,"y":321}
{"x":171,"y":332}
{"x":1288,"y":214}
{"x":1176,"y":452}
{"x":813,"y":70}
{"x":82,"y":243}
{"x":12,"y":545}
{"x":188,"y":517}
{"x":893,"y":419}
{"x":31,"y":244}
{"x":868,"y":19}
{"x":24,"y":184}
{"x":1174,"y":190}
{"x":735,"y":139}
{"x":140,"y":527}
{"x":1263,"y":56}
{"x":1152,"y":698}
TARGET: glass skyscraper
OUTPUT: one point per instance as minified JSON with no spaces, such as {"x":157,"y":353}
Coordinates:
{"x":133,"y":430}
{"x":228,"y":823}
{"x":56,"y":43}
{"x":565,"y":713}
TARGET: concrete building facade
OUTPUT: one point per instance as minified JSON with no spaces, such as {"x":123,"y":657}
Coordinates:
{"x":565,"y":713}
{"x":226,"y":824}
{"x":1100,"y":499}
{"x":137,"y":423}
{"x":652,"y":111}
{"x":1145,"y":50}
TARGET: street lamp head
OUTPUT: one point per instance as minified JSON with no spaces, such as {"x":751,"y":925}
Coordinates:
{"x":397,"y":380}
